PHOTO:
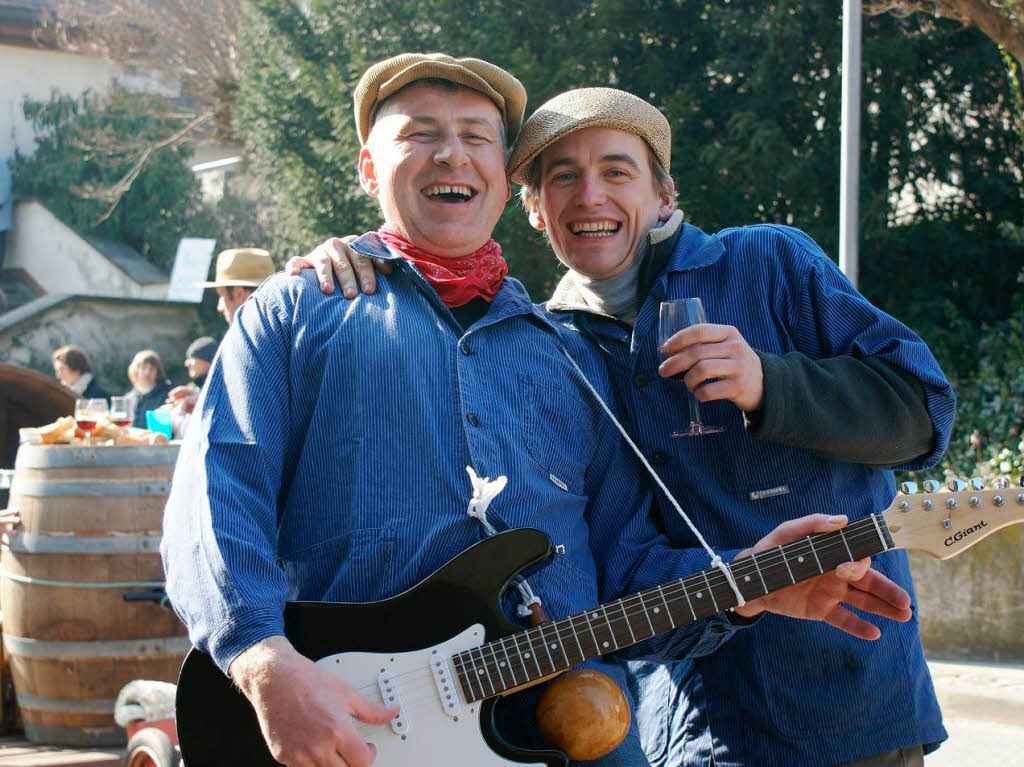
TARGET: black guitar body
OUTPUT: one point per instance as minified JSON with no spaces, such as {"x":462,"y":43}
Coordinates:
{"x":218,"y":728}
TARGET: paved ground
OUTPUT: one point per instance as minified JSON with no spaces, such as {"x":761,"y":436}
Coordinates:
{"x":984,"y":709}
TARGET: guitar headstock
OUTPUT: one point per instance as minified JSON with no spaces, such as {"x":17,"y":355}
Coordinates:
{"x":945,"y":522}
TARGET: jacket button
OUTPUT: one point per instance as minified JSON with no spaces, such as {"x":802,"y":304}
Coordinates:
{"x":472,"y":419}
{"x":465,"y":348}
{"x":660,"y":458}
{"x":641,"y":380}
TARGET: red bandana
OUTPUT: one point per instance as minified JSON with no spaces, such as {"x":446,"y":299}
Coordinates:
{"x":456,"y":280}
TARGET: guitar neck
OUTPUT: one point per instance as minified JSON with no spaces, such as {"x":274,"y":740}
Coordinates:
{"x":528,"y":656}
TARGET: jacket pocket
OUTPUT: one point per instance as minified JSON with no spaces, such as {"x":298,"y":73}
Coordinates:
{"x":357,"y":566}
{"x":556,"y":434}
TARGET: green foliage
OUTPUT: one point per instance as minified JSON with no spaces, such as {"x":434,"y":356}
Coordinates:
{"x":87,"y":146}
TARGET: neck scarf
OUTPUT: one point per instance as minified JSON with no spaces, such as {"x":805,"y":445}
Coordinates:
{"x":457,"y":280}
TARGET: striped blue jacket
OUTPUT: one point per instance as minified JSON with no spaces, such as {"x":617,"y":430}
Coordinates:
{"x":327,"y":461}
{"x":785,"y":692}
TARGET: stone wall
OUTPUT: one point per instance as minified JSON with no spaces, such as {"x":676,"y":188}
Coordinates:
{"x":971,"y":607}
{"x":111,"y":330}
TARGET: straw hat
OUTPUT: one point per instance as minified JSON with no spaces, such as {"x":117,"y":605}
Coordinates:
{"x":245,"y":267}
{"x":589,"y":108}
{"x":386,"y":77}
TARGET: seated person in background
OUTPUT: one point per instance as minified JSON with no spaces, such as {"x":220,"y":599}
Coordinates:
{"x":149,"y":384}
{"x":72,"y":367}
{"x":198,"y":358}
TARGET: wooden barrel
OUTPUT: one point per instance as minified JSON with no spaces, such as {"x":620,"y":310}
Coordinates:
{"x":90,"y":532}
{"x":28,"y":398}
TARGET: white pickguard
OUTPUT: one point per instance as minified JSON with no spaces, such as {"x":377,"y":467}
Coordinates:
{"x":432,"y":738}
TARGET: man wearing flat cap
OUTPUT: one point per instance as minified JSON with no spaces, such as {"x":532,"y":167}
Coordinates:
{"x":352,"y":485}
{"x":820,"y":395}
{"x":238,"y":273}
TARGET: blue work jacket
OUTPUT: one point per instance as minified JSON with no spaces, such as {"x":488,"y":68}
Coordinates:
{"x":328,"y":461}
{"x":784,"y":692}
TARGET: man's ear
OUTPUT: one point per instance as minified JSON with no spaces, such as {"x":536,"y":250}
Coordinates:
{"x":536,"y":217}
{"x":367,"y":172}
{"x":666,"y":199}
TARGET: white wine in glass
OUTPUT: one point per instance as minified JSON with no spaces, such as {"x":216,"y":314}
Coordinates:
{"x":674,"y":316}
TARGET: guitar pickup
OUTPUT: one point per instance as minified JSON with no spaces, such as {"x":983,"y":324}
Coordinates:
{"x":445,"y":685}
{"x":390,"y":694}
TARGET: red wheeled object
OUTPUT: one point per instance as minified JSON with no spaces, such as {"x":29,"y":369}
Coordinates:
{"x":152,"y":744}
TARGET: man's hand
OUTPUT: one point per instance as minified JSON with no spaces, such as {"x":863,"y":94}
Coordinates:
{"x":852,"y":583}
{"x":716,"y":352}
{"x":305,"y":713}
{"x":333,"y":257}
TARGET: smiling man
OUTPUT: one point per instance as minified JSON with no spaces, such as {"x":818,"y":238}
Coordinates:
{"x":820,"y":393}
{"x":353,"y":487}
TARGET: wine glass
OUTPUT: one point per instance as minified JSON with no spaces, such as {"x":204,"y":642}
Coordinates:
{"x":88,"y":412}
{"x":673,"y":317}
{"x":122,"y":410}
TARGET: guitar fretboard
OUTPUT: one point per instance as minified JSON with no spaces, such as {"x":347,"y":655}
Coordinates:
{"x":551,"y":648}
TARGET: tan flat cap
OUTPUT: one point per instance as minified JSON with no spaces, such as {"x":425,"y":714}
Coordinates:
{"x":244,"y":267}
{"x":386,"y":77}
{"x":589,"y":108}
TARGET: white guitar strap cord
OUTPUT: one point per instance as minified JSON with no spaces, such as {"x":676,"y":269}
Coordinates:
{"x":716,"y":560}
{"x":486,"y":490}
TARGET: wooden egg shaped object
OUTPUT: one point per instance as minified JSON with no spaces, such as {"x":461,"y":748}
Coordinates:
{"x":584,"y":714}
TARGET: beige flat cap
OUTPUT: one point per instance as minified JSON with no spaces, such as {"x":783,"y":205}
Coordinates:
{"x":385,"y":77}
{"x":244,"y":267}
{"x":589,"y":108}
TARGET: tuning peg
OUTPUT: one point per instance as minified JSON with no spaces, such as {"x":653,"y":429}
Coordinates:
{"x":909,"y":487}
{"x":1021,"y":480}
{"x":1002,"y":483}
{"x":977,"y":483}
{"x":956,"y":485}
{"x":931,"y":485}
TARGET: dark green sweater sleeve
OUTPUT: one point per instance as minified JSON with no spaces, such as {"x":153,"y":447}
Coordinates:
{"x":859,"y":410}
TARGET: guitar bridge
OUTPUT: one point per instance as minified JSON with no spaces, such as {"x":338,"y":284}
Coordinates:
{"x":390,"y":694}
{"x":445,"y":685}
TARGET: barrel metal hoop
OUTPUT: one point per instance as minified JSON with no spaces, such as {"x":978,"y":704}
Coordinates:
{"x":69,"y":705}
{"x":114,"y":648}
{"x":65,"y":456}
{"x":17,"y":578}
{"x":86,"y":487}
{"x":77,"y":544}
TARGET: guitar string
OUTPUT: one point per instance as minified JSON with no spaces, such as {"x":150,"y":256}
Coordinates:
{"x":570,"y":626}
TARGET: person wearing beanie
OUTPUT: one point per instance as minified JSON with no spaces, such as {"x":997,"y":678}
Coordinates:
{"x":198,"y":358}
{"x":791,"y":352}
{"x":329,"y":461}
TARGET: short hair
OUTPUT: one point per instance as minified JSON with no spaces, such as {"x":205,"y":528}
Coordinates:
{"x":445,"y":85}
{"x":531,"y":189}
{"x":73,"y":357}
{"x":146,"y":356}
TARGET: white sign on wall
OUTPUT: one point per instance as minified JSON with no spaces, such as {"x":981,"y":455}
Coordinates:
{"x":191,"y":265}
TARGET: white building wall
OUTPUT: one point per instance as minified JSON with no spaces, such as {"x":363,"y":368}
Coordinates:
{"x":36,"y":72}
{"x":62,"y":262}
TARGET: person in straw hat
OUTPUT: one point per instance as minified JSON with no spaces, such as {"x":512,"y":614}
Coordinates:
{"x":353,"y":487}
{"x":239,"y":272}
{"x":819,"y":394}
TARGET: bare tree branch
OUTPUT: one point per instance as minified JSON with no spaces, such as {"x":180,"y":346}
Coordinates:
{"x":1001,"y":20}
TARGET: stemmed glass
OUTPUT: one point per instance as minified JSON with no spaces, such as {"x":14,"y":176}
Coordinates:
{"x":673,"y":317}
{"x":122,"y":410}
{"x":88,"y":412}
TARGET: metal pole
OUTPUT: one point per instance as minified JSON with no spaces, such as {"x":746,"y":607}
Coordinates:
{"x":849,"y":168}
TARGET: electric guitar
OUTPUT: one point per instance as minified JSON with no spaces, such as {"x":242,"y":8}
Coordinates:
{"x":443,"y":651}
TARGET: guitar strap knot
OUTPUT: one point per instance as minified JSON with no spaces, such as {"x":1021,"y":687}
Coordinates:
{"x":486,"y":490}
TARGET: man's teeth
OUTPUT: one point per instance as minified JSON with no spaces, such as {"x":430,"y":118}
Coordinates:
{"x":449,"y":190}
{"x":594,"y":228}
